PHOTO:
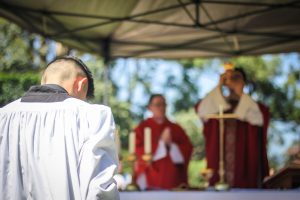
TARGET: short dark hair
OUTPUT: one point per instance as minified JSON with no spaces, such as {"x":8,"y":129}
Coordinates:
{"x":153,"y":96}
{"x":83,"y":67}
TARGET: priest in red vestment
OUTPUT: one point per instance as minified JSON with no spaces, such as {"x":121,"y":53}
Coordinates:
{"x":171,"y":150}
{"x":245,"y":138}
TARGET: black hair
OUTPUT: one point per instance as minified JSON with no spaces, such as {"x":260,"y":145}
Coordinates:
{"x":153,"y":96}
{"x":83,"y":67}
{"x":242,"y":71}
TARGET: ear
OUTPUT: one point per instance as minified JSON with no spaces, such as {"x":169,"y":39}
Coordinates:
{"x":82,"y":84}
{"x":80,"y":87}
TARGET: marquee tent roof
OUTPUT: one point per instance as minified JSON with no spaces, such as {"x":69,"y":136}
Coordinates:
{"x":163,"y":28}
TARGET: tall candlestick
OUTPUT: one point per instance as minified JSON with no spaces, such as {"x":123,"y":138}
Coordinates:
{"x":131,"y":143}
{"x":220,"y":109}
{"x":132,"y":158}
{"x":221,"y":185}
{"x":221,"y":150}
{"x":147,"y":140}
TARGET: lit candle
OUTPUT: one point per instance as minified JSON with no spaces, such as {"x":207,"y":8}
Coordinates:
{"x":147,"y":140}
{"x":131,"y":143}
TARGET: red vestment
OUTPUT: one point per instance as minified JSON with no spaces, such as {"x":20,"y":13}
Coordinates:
{"x":163,"y":173}
{"x":241,"y":152}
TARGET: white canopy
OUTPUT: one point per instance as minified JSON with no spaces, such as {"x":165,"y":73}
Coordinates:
{"x":163,"y":28}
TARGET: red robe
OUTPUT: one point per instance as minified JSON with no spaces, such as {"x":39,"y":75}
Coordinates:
{"x":163,"y":173}
{"x":241,"y":150}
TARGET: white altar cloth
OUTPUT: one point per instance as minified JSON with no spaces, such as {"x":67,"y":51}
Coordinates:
{"x":233,"y":194}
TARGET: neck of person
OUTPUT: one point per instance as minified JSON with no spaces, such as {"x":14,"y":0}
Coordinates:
{"x":233,"y":97}
{"x":159,"y":120}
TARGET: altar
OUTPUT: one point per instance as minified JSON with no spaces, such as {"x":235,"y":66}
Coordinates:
{"x":233,"y":194}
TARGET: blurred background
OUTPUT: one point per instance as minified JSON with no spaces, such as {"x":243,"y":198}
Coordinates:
{"x":126,"y":86}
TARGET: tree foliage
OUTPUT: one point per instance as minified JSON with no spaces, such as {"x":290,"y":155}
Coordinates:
{"x":17,"y":69}
{"x":13,"y":85}
{"x":23,"y":55}
{"x":15,"y":47}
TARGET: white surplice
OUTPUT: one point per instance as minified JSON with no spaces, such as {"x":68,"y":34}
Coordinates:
{"x":62,"y":150}
{"x":246,"y":110}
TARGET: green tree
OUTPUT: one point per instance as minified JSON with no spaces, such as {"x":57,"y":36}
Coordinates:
{"x":13,"y":85}
{"x":17,"y":68}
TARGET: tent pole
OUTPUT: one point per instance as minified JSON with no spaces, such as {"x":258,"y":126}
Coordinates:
{"x":106,"y":88}
{"x":106,"y":57}
{"x":197,"y":12}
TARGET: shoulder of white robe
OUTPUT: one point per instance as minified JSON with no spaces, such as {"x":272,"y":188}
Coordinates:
{"x":210,"y":103}
{"x":249,"y":111}
{"x":93,"y":110}
{"x":11,"y":106}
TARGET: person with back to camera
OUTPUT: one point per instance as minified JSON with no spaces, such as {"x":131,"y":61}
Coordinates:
{"x":53,"y":144}
{"x":243,"y":166}
{"x":171,"y":150}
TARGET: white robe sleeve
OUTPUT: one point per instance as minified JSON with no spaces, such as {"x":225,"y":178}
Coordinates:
{"x":98,"y":157}
{"x":248,"y":110}
{"x":161,"y":151}
{"x":175,"y":153}
{"x":141,"y":181}
{"x":210,"y":104}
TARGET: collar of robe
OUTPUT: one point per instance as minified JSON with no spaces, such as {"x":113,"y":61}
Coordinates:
{"x":45,"y":94}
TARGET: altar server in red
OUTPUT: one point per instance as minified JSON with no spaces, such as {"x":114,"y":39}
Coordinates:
{"x":171,"y":150}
